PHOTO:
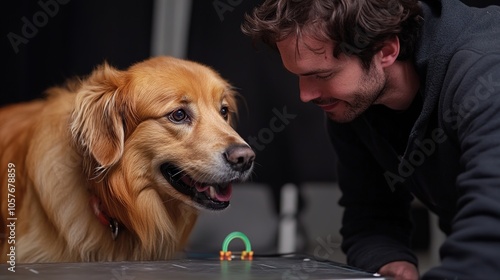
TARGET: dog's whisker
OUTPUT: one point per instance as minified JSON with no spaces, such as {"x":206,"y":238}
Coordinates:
{"x":179,"y":172}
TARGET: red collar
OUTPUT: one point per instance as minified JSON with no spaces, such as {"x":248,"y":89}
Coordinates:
{"x":96,"y":206}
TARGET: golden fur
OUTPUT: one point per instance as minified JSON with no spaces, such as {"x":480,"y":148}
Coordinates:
{"x":107,"y":136}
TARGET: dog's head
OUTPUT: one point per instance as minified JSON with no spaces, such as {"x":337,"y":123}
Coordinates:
{"x":161,"y":129}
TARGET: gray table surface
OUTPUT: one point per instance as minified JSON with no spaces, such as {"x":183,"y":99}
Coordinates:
{"x":262,"y":268}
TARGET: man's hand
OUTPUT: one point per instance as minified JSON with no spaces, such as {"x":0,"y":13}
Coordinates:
{"x":400,"y":270}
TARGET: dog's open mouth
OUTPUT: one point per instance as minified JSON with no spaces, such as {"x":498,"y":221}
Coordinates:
{"x":214,"y":196}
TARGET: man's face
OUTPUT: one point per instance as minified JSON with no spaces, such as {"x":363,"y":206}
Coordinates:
{"x":339,"y":86}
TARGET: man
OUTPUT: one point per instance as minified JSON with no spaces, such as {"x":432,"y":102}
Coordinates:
{"x":412,"y":95}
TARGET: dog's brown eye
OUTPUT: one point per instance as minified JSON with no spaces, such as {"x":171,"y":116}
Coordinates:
{"x":178,"y":116}
{"x":224,"y":111}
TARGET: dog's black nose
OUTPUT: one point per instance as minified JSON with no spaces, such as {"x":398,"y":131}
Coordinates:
{"x":240,"y":157}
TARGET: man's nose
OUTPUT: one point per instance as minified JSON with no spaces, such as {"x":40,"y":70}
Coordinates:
{"x":308,"y":91}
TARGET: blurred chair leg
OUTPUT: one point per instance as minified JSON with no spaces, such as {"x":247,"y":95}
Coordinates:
{"x":287,"y":235}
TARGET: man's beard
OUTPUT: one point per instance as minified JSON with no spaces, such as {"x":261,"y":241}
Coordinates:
{"x":373,"y":86}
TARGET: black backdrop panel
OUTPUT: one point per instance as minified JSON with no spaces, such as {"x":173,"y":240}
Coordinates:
{"x":45,"y":42}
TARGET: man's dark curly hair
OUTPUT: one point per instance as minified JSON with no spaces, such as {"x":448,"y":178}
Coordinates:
{"x":357,"y":27}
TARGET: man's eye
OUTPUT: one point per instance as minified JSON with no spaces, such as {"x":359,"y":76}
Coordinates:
{"x":323,"y":77}
{"x":179,"y":116}
{"x":224,"y":111}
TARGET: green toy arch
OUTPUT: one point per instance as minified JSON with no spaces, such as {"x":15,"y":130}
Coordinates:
{"x":233,"y":235}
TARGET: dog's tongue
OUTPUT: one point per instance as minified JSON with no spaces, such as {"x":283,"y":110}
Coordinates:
{"x":224,"y":193}
{"x":201,"y":187}
{"x":219,"y":193}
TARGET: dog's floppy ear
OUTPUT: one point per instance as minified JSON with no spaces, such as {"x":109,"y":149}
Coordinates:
{"x":232,"y":99}
{"x":97,"y":124}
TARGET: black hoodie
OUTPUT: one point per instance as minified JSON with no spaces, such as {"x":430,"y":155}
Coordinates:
{"x":444,"y":150}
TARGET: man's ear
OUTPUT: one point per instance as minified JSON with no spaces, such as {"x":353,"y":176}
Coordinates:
{"x":390,"y":51}
{"x":97,"y":124}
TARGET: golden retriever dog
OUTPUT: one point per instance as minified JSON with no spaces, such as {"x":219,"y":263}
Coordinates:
{"x":117,"y":165}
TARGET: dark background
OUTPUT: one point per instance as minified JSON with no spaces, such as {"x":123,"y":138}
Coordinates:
{"x":82,"y":34}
